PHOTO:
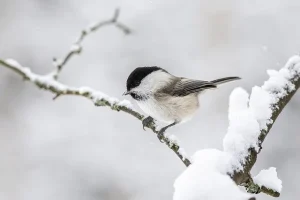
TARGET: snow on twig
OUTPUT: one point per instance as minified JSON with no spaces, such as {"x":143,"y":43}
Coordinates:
{"x":269,"y":179}
{"x":76,"y":48}
{"x":49,"y":83}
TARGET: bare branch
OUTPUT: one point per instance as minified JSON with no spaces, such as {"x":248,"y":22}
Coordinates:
{"x":99,"y":99}
{"x":76,"y":48}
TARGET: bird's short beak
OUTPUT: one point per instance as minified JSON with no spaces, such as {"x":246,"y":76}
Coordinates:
{"x":126,"y":93}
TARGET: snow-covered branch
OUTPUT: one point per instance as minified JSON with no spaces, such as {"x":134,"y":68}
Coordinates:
{"x":76,"y":48}
{"x":251,"y":119}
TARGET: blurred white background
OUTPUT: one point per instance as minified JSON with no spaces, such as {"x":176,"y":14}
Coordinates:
{"x":69,"y":149}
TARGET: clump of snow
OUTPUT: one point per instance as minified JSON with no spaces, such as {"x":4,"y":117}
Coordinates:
{"x":243,"y":130}
{"x":173,"y":139}
{"x":269,"y":179}
{"x":293,"y":65}
{"x":213,"y":159}
{"x":279,"y":81}
{"x":261,"y":105}
{"x":13,"y":63}
{"x":183,"y":153}
{"x":19,"y":67}
{"x":206,"y":179}
{"x":84,"y":90}
{"x":75,"y":48}
{"x":49,"y":82}
{"x":112,"y":100}
{"x":99,"y":96}
{"x":126,"y":104}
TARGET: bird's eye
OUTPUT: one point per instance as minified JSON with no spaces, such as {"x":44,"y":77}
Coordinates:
{"x":133,"y":95}
{"x":136,"y":96}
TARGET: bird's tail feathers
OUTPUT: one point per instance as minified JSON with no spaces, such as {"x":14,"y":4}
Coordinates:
{"x":225,"y":80}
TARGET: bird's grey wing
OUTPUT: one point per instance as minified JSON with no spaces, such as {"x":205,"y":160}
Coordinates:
{"x":186,"y":86}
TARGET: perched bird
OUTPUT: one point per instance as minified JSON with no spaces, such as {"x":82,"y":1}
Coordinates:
{"x":165,"y":97}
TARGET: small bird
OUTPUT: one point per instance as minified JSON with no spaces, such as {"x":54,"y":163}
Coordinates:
{"x":165,"y":97}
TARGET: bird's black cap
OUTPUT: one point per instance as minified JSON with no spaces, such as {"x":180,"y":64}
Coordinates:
{"x":138,"y":75}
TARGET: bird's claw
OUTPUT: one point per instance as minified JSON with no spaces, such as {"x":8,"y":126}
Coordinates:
{"x":160,"y":135}
{"x":147,"y":122}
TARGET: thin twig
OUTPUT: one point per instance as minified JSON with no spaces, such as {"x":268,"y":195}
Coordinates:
{"x":76,"y":48}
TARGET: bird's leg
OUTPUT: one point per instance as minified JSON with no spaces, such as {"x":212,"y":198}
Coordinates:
{"x":161,"y":132}
{"x":147,"y":122}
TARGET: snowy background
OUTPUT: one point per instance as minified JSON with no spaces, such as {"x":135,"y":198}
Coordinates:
{"x":69,"y":149}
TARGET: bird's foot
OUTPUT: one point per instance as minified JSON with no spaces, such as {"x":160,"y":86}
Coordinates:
{"x":147,"y":122}
{"x":161,"y":134}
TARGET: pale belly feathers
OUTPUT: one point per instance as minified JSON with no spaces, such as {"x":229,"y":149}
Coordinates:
{"x":171,"y":109}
